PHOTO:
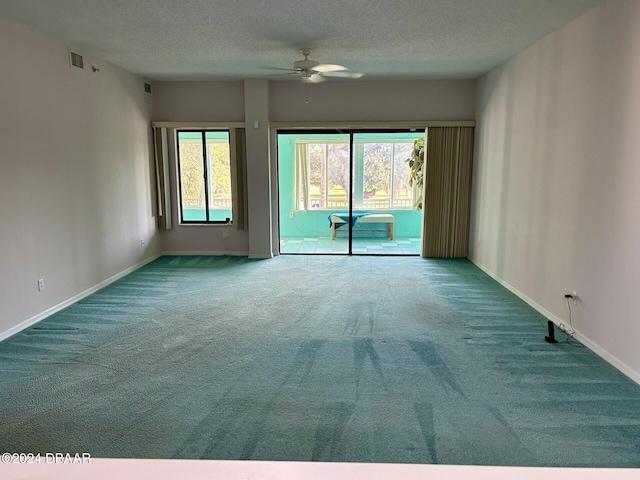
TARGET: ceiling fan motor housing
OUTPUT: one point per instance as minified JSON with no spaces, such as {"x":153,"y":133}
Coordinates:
{"x":304,"y":64}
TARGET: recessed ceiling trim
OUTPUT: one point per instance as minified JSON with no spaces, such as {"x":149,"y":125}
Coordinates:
{"x":355,"y":125}
{"x":198,"y":124}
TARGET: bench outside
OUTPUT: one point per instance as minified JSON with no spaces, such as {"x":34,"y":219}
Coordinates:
{"x":372,"y":218}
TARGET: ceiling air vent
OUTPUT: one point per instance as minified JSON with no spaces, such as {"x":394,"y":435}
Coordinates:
{"x":75,"y":59}
{"x":147,"y":88}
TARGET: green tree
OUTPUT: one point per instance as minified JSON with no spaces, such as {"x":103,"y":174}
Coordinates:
{"x":191,"y":174}
{"x":377,"y":168}
{"x":377,"y":162}
{"x":401,"y":187}
{"x":220,"y":169}
{"x":338,"y":157}
{"x":316,"y":165}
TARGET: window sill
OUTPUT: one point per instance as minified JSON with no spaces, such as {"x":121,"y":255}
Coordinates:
{"x":355,"y":209}
{"x":204,"y":224}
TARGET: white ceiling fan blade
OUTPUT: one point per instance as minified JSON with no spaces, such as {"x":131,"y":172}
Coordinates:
{"x":342,"y":74}
{"x":278,"y":68}
{"x":286,"y":74}
{"x":315,"y":78}
{"x":327,"y":67}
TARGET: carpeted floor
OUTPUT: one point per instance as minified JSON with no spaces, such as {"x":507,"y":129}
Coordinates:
{"x":345,"y":359}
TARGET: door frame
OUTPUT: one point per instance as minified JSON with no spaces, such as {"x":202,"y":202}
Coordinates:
{"x":287,"y":128}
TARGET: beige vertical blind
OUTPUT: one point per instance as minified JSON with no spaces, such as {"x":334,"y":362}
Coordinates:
{"x":447,"y":192}
{"x":161,"y":154}
{"x":239,"y":200}
{"x":302,"y":177}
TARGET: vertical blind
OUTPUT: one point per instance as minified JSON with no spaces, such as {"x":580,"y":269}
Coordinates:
{"x":239,"y":197}
{"x":447,"y":192}
{"x":162,"y":178}
{"x":302,"y":176}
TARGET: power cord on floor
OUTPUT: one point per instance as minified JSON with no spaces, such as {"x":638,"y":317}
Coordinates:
{"x":569,"y":331}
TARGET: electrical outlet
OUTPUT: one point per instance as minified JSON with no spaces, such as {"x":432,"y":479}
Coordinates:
{"x":572,"y":297}
{"x":290,"y":214}
{"x":141,"y":243}
{"x":225,"y":234}
{"x":40,"y":284}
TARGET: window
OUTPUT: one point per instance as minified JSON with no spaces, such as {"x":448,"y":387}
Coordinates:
{"x":381,"y":174}
{"x":328,"y":175}
{"x":204,"y":173}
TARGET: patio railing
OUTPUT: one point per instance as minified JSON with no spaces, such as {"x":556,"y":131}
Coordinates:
{"x":217,"y":202}
{"x":370,"y":203}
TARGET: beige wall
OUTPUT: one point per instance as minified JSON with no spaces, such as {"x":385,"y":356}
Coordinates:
{"x":258,"y":169}
{"x":331,"y":101}
{"x":76,"y":187}
{"x":198,"y":101}
{"x":556,"y":196}
{"x":374,"y":101}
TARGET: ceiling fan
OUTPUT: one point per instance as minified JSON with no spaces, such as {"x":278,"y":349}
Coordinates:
{"x":312,"y":71}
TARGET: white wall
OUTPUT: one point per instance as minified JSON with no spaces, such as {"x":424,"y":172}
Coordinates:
{"x":556,"y":201}
{"x":76,"y":185}
{"x":331,"y":101}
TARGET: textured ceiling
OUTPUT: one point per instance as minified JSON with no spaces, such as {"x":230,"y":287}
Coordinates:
{"x":232,"y":39}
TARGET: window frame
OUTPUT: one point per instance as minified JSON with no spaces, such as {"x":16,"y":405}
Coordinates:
{"x":358,"y":171}
{"x":206,"y":172}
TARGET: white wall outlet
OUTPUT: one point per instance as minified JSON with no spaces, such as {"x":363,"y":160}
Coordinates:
{"x":225,"y":234}
{"x":40,"y":284}
{"x":574,"y":297}
{"x":291,"y":214}
{"x":141,"y":243}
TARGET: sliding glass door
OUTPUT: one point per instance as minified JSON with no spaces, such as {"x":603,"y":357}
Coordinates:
{"x":347,"y":193}
{"x":385,"y":220}
{"x":314,"y":181}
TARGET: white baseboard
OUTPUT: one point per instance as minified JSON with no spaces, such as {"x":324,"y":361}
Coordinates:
{"x":587,"y":342}
{"x":206,"y":253}
{"x":56,"y":308}
{"x":261,"y":255}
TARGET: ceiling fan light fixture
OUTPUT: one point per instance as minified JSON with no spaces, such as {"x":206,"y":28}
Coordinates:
{"x":315,"y":78}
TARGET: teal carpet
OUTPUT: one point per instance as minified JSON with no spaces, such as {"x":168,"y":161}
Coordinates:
{"x":342,"y":359}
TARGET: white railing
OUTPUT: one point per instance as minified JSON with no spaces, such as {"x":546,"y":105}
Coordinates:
{"x":218,"y":202}
{"x":369,"y":203}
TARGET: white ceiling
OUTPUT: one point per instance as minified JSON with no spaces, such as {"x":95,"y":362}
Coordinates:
{"x":232,"y":39}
